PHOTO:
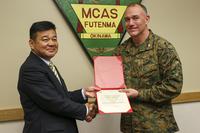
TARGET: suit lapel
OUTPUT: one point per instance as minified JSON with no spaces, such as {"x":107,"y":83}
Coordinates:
{"x":50,"y":73}
{"x":61,"y":79}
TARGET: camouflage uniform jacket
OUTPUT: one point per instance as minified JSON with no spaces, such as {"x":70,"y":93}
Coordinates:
{"x":154,"y":69}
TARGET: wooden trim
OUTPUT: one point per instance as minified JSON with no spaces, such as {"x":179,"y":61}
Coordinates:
{"x":11,"y":114}
{"x":187,"y":97}
{"x":17,"y":113}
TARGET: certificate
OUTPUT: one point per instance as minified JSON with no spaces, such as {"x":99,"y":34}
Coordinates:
{"x":108,"y":74}
{"x":113,"y":101}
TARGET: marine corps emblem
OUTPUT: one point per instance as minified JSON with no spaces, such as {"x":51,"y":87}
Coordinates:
{"x":98,"y":24}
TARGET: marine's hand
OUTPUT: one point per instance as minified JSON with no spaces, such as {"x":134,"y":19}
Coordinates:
{"x":130,"y":92}
{"x":90,"y":92}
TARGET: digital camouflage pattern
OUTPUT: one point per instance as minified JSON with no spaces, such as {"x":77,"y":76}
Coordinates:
{"x":154,"y":69}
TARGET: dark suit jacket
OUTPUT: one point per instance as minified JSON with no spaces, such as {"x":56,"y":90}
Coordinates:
{"x":48,"y":106}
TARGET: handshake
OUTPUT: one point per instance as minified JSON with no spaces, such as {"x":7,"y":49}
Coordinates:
{"x":90,"y":92}
{"x":92,"y":111}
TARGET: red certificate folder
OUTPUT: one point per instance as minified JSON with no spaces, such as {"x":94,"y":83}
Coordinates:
{"x":108,"y":75}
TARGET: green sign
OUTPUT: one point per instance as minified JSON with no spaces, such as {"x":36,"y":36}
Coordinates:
{"x":98,"y":24}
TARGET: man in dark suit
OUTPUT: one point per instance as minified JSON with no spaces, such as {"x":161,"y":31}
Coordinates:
{"x":48,"y":105}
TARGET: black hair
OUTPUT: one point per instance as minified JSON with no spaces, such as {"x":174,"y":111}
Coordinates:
{"x":40,"y":26}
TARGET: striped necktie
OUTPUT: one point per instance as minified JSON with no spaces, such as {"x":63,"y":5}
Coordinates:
{"x":53,"y":68}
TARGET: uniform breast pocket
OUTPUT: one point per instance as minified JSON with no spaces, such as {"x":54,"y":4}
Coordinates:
{"x":148,"y":74}
{"x":148,"y":69}
{"x":147,"y":65}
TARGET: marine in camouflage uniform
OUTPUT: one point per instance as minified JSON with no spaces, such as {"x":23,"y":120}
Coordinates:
{"x":154,"y":69}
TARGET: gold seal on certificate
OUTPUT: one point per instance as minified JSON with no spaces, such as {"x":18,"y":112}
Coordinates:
{"x":108,"y":74}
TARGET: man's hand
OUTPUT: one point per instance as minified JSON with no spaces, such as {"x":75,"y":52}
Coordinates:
{"x":90,"y":92}
{"x":130,"y":92}
{"x":92,"y":108}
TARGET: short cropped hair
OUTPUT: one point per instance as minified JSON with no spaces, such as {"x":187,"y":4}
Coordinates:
{"x":40,"y":26}
{"x":139,"y":4}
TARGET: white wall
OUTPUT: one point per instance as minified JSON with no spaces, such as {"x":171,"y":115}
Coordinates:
{"x":187,"y":117}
